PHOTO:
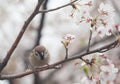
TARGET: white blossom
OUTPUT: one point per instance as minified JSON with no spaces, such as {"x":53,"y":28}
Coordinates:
{"x":109,"y":68}
{"x":106,"y":9}
{"x":108,"y":72}
{"x":69,"y":37}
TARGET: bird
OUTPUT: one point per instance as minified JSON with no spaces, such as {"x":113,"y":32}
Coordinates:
{"x":39,"y":57}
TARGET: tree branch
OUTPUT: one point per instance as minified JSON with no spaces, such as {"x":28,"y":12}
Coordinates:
{"x":50,"y":10}
{"x":42,"y":20}
{"x":101,"y":49}
{"x":13,"y":47}
{"x":66,"y":53}
{"x":35,"y":12}
{"x":89,"y":42}
{"x":37,"y":78}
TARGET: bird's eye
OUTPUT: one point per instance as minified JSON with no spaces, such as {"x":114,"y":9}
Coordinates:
{"x":36,"y":54}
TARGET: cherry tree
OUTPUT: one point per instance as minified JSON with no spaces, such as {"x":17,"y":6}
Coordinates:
{"x":95,"y":64}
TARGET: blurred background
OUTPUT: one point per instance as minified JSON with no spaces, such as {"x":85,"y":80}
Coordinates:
{"x":47,"y":29}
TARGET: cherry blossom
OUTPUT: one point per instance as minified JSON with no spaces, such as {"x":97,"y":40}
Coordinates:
{"x":109,"y":68}
{"x":102,"y":24}
{"x":108,"y":73}
{"x":117,"y":27}
{"x":106,"y":9}
{"x":81,"y":10}
{"x":67,"y":39}
{"x":101,"y":70}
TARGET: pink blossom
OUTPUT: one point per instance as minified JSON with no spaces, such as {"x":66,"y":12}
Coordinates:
{"x":106,"y":9}
{"x":69,"y":37}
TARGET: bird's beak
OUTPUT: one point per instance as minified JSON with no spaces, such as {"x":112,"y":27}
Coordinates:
{"x":41,"y":54}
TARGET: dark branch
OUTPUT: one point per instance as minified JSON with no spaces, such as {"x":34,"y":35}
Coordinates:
{"x":102,"y":49}
{"x":66,"y":52}
{"x":13,"y":47}
{"x":50,"y":10}
{"x":41,"y":24}
{"x":89,"y":42}
{"x":37,"y":78}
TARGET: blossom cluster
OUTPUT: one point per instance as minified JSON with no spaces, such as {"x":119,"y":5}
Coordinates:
{"x":67,"y":39}
{"x":100,"y":71}
{"x":102,"y":24}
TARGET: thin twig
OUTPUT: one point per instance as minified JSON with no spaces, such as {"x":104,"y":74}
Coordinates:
{"x":13,"y":47}
{"x":101,"y":49}
{"x":80,"y":50}
{"x":35,"y":12}
{"x":89,"y":42}
{"x":50,"y":10}
{"x":66,"y":49}
{"x":41,"y":25}
{"x":85,"y":61}
{"x":66,"y":56}
{"x":37,"y":78}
